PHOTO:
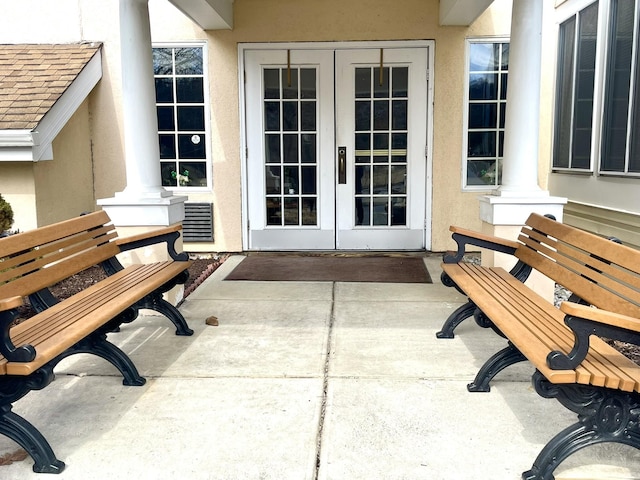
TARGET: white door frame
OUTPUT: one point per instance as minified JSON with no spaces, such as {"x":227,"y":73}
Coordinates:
{"x":242,"y":47}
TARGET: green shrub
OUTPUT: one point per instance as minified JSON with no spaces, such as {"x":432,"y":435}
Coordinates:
{"x":6,"y":215}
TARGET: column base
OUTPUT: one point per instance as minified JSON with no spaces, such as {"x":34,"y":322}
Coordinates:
{"x":152,"y":209}
{"x":504,"y":216}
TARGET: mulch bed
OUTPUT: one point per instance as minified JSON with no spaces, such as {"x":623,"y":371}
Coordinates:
{"x":202,"y":267}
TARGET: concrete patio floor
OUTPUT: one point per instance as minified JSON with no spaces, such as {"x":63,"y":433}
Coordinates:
{"x":327,"y":381}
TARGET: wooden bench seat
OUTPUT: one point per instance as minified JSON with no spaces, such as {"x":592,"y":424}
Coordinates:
{"x":31,"y":263}
{"x":567,"y":346}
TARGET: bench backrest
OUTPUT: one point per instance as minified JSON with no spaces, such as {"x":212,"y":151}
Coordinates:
{"x":40,"y":258}
{"x":604,"y":273}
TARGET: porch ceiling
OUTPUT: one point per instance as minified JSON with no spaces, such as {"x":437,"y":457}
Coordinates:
{"x":461,"y":12}
{"x":218,"y":14}
{"x":209,"y":14}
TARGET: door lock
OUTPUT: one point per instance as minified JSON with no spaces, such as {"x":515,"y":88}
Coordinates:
{"x":342,"y":165}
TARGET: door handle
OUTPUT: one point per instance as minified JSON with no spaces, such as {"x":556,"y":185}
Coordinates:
{"x":342,"y":165}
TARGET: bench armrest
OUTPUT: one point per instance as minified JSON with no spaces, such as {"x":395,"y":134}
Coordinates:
{"x":169,"y":235}
{"x":585,"y":321}
{"x":464,"y":237}
{"x":11,"y":302}
{"x":25,"y":353}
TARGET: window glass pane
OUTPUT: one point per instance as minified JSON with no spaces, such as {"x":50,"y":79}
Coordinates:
{"x":380,"y":180}
{"x":290,"y":149}
{"x":290,"y":83}
{"x":482,"y":144}
{"x":399,"y":119}
{"x":309,"y":181}
{"x":363,"y":141}
{"x":483,"y":86}
{"x":380,"y":141}
{"x":398,"y":179}
{"x":381,"y":115}
{"x":617,"y":94}
{"x":272,"y":83}
{"x":190,"y":118}
{"x":291,"y":181}
{"x":564,"y":94}
{"x":398,"y":211}
{"x":481,"y":172}
{"x":307,"y":116}
{"x":381,"y":89}
{"x":271,"y":116}
{"x":162,"y":61}
{"x":274,"y":211}
{"x":190,"y":90}
{"x":307,"y":83}
{"x":505,"y":56}
{"x":483,"y":57}
{"x":363,"y":83}
{"x":363,"y":213}
{"x":168,"y":174}
{"x":399,"y":141}
{"x":164,"y":90}
{"x":193,"y":174}
{"x":380,"y":211}
{"x":273,"y":176}
{"x":191,"y":146}
{"x":272,"y":148}
{"x":363,"y":179}
{"x":291,"y":211}
{"x":309,"y":211}
{"x":165,"y":119}
{"x":363,"y":115}
{"x":188,"y":61}
{"x":290,"y":116}
{"x":308,"y":148}
{"x":634,"y":152}
{"x":167,"y":146}
{"x":483,"y":115}
{"x":400,"y":82}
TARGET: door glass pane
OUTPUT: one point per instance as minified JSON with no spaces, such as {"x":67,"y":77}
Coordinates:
{"x":290,"y":153}
{"x":381,"y":114}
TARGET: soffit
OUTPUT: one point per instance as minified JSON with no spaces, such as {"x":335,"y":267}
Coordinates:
{"x":462,"y":12}
{"x":208,"y":14}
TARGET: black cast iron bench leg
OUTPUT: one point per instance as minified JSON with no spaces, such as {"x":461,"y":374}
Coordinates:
{"x":160,"y":305}
{"x":15,"y":427}
{"x":605,"y":415}
{"x":456,"y":318}
{"x":498,"y":362}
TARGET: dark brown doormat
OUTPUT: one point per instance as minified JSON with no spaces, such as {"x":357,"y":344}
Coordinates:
{"x":331,"y":268}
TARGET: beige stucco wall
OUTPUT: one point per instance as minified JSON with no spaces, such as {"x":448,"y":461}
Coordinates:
{"x":64,"y":185}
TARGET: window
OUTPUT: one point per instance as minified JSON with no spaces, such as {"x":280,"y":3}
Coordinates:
{"x":486,"y":105}
{"x":586,"y":139}
{"x":181,"y":97}
{"x":574,"y":90}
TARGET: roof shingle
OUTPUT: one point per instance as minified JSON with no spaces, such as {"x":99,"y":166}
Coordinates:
{"x":33,"y":77}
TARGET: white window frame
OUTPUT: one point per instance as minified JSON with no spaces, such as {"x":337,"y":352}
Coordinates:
{"x":207,"y":117}
{"x":465,"y":114}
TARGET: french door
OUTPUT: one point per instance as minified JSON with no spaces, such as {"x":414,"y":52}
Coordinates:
{"x":336,"y":148}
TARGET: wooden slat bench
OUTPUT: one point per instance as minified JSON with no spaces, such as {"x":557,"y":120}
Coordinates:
{"x":573,"y":363}
{"x":31,"y":263}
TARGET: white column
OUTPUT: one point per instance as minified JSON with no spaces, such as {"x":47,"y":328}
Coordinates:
{"x":506,"y":210}
{"x":142,"y":152}
{"x":143,"y":202}
{"x":522,"y":122}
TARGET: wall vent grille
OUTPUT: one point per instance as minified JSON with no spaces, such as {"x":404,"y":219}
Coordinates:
{"x":198,"y":222}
